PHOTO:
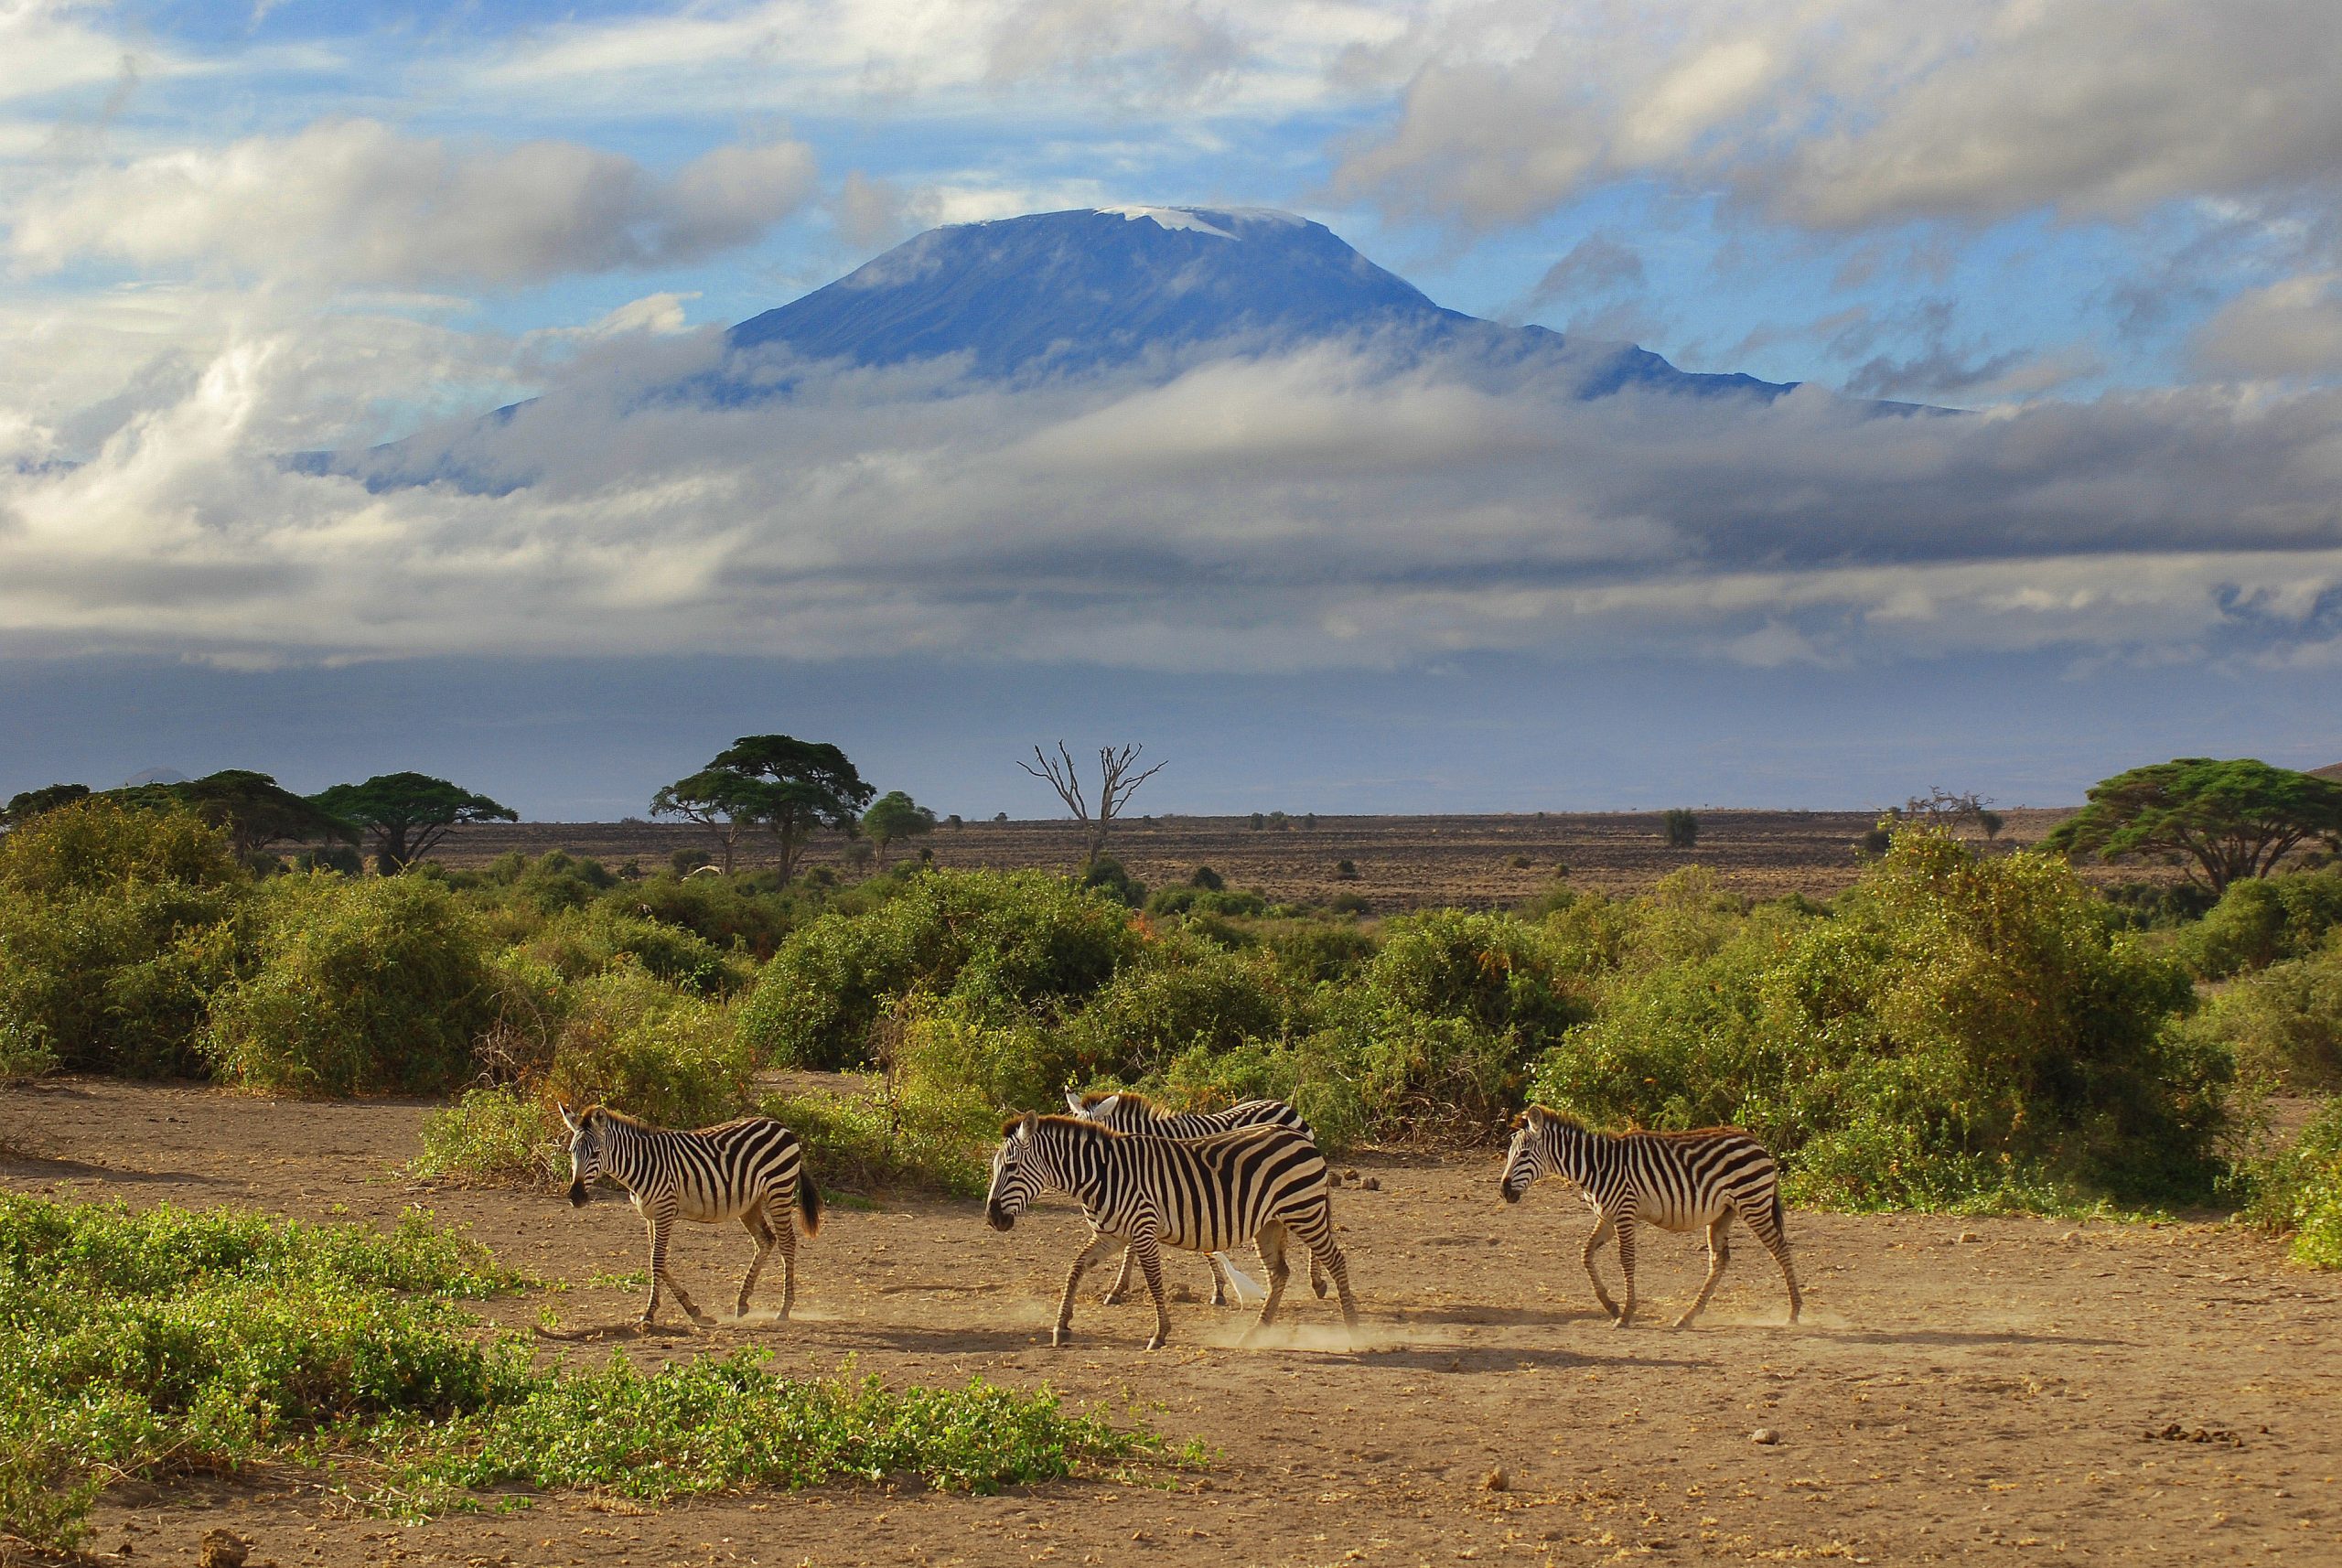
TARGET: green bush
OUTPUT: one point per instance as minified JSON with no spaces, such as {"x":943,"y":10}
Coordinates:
{"x":638,"y":1045}
{"x":116,"y":925}
{"x":1174,"y":997}
{"x":1236,"y":904}
{"x":1959,"y":1033}
{"x":360,"y":986}
{"x":2285,"y":1023}
{"x":588,"y":940}
{"x":725,"y":912}
{"x":1000,"y":944}
{"x":2263,"y":920}
{"x":912,"y":1131}
{"x":2300,"y":1190}
{"x":497,"y":1135}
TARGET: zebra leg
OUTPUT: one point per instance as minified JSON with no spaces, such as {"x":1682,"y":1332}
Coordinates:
{"x":1098,"y":1248}
{"x":1767,"y":1223}
{"x":662,"y":1222}
{"x":1626,"y":1225}
{"x":1218,"y":1280}
{"x":1719,"y":1254}
{"x":1150,"y":1262}
{"x":1318,"y":1281}
{"x":1122,"y":1286}
{"x":1317,"y":1235}
{"x":1602,"y":1229}
{"x":785,"y":1232}
{"x":1270,"y":1244}
{"x":758,"y":1225}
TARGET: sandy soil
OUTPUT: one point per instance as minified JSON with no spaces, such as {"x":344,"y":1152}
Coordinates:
{"x":2006,"y":1389}
{"x":1401,"y":862}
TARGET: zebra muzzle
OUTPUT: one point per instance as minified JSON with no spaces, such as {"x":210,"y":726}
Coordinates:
{"x":1511,"y":1193}
{"x":1000,"y":1220}
{"x":577,"y":1195}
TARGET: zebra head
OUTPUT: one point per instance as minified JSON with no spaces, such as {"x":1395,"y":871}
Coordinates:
{"x":1534,"y":1152}
{"x":1021,"y":1169}
{"x":585,"y":1149}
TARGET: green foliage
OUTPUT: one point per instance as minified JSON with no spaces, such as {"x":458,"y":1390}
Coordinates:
{"x":894,"y":817}
{"x":252,"y":808}
{"x":634,"y":1044}
{"x":26,"y":804}
{"x":1174,"y":997}
{"x":999,"y":945}
{"x":1104,"y":874}
{"x":708,"y":1425}
{"x":788,"y":787}
{"x":495,"y":1136}
{"x":116,"y":924}
{"x":926,"y":1124}
{"x":1959,"y":1033}
{"x":150,"y":1345}
{"x":2300,"y":1190}
{"x":2224,"y":821}
{"x":588,"y":942}
{"x":1680,"y":828}
{"x":359,"y":987}
{"x":2262,"y":921}
{"x":1197,"y":900}
{"x":2283,"y":1023}
{"x":407,"y":814}
{"x":727,"y":912}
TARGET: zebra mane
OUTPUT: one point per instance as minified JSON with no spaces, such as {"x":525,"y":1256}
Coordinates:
{"x":1543,"y":1116}
{"x":620,"y":1117}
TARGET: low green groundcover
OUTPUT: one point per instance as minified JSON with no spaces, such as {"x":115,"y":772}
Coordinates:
{"x":163,"y":1343}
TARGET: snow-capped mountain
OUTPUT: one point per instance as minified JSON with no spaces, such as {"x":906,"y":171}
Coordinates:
{"x":1085,"y":288}
{"x":1146,"y":291}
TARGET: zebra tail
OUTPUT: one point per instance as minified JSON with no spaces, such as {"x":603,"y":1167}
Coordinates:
{"x":808,"y":1201}
{"x":1778,"y":1230}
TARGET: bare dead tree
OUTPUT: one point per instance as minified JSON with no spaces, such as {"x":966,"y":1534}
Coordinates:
{"x":1116,"y":784}
{"x":1942,"y":808}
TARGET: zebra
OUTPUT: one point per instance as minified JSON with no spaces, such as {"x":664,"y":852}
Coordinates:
{"x":1126,"y":1112}
{"x":1675,"y":1181}
{"x":1262,"y":1184}
{"x":751,"y":1170}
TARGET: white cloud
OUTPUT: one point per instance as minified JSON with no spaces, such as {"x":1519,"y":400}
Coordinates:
{"x":1311,"y":510}
{"x":355,"y":201}
{"x":1841,"y":115}
{"x":2292,"y":328}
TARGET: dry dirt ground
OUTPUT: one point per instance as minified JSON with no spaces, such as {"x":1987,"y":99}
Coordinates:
{"x":2012,"y":1389}
{"x":1401,"y":862}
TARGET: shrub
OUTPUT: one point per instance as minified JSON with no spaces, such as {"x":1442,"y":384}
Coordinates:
{"x":728,"y":913}
{"x":638,"y":1046}
{"x":2300,"y":1190}
{"x":1000,"y":944}
{"x":2284,"y":1024}
{"x":1961,"y":1032}
{"x":1681,"y":829}
{"x":1175,"y":998}
{"x":2261,"y":921}
{"x":1204,"y":901}
{"x":1208,"y":879}
{"x":499,"y":1134}
{"x":587,"y":940}
{"x":359,"y":987}
{"x":1349,"y":903}
{"x":1106,"y":875}
{"x":1346,"y":871}
{"x":116,"y":924}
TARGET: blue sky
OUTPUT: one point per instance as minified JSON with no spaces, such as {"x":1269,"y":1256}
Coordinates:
{"x":227,"y":231}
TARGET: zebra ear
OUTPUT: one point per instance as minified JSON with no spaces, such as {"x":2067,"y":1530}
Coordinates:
{"x":566,"y":1119}
{"x":1032,"y":1120}
{"x":1073,"y":1101}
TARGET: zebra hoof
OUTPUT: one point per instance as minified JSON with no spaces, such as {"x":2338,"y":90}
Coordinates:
{"x":1319,"y":1286}
{"x":1059,"y":1336}
{"x":1157,"y":1342}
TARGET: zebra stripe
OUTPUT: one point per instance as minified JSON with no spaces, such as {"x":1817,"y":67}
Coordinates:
{"x":1675,"y":1181}
{"x":1125,"y":1111}
{"x":751,"y":1170}
{"x":1262,"y":1185}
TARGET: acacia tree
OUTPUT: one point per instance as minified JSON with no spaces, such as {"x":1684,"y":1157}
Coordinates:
{"x":256,"y":812}
{"x":1943,"y":808}
{"x":2224,"y":821}
{"x":24,"y":806}
{"x":798,"y":786}
{"x":892,"y":818}
{"x":724,"y":802}
{"x":1116,"y":784}
{"x":406,"y":815}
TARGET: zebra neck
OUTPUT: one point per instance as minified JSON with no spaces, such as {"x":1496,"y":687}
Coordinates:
{"x":1578,"y":1152}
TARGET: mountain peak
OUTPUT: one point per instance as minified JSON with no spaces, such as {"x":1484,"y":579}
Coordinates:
{"x":1095,"y":285}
